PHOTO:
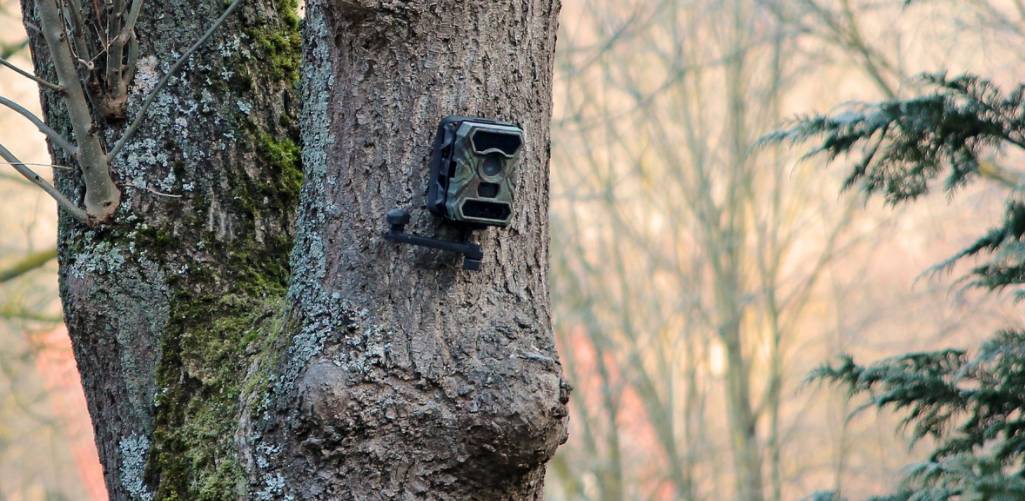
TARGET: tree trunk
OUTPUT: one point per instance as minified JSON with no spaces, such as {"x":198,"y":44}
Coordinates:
{"x":410,"y":377}
{"x":747,"y":460}
{"x":380,"y":372}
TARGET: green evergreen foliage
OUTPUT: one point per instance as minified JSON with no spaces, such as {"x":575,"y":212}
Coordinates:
{"x":971,"y":407}
{"x":907,"y":143}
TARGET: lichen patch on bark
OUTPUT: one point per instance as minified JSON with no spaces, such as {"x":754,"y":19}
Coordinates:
{"x":173,"y":317}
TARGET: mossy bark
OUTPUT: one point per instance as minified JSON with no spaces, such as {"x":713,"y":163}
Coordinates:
{"x":168,"y":305}
{"x":375,"y":371}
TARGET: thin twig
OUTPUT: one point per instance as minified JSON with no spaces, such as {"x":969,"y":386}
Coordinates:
{"x":167,"y":77}
{"x":115,"y":47}
{"x":37,"y":164}
{"x":40,"y":81}
{"x":59,"y":197}
{"x":77,"y":27}
{"x":133,"y":44}
{"x":131,"y":66}
{"x":128,"y":30}
{"x":124,"y":73}
{"x":45,"y":129}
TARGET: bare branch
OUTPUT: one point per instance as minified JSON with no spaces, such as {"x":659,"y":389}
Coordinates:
{"x":131,"y":66}
{"x":15,"y":313}
{"x":34,"y":164}
{"x":77,"y":26}
{"x":115,"y":49}
{"x":28,"y":263}
{"x":167,"y":77}
{"x":128,"y":34}
{"x":40,"y":81}
{"x":102,"y":197}
{"x":38,"y":122}
{"x":128,"y":31}
{"x":29,"y":174}
{"x":119,"y":72}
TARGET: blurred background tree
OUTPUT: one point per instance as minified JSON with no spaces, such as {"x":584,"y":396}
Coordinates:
{"x":699,"y":278}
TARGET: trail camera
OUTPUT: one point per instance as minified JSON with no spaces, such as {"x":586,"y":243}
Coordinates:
{"x":473,"y":165}
{"x":472,"y":171}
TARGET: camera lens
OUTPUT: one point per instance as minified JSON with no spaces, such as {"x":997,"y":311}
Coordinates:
{"x":492,"y":166}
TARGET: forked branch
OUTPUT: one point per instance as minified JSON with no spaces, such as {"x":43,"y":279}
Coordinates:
{"x":102,"y":197}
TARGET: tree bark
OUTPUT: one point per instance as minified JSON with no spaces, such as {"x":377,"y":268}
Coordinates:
{"x":380,"y":371}
{"x":409,"y":377}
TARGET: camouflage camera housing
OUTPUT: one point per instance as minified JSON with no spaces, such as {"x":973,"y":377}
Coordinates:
{"x":472,"y":170}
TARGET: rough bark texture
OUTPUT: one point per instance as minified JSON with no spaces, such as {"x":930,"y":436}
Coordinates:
{"x":386,"y":372}
{"x":159,"y":304}
{"x":410,"y":377}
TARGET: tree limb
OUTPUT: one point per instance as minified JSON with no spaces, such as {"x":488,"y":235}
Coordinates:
{"x":102,"y":197}
{"x":29,"y":174}
{"x":45,"y":129}
{"x":28,"y":263}
{"x":117,"y":46}
{"x":77,"y":26}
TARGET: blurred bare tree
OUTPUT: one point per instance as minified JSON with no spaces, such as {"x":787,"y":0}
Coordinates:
{"x":697,"y":270}
{"x":677,"y":181}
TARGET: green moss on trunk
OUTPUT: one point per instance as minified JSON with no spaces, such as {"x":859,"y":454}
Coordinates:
{"x":216,"y":364}
{"x":280,"y":48}
{"x":228,"y":318}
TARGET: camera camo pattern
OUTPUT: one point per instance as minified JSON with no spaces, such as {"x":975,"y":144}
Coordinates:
{"x":485,"y":158}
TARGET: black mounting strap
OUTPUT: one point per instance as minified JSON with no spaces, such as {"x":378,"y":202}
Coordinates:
{"x":399,"y":218}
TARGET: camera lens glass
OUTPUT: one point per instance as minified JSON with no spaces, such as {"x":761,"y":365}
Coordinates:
{"x":492,"y":165}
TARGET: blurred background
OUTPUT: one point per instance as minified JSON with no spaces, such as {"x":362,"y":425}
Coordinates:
{"x":696,"y":277}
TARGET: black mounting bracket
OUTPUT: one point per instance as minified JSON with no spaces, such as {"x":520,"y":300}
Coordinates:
{"x":399,"y":218}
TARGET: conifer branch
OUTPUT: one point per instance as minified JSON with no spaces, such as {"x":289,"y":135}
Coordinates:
{"x":971,"y":406}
